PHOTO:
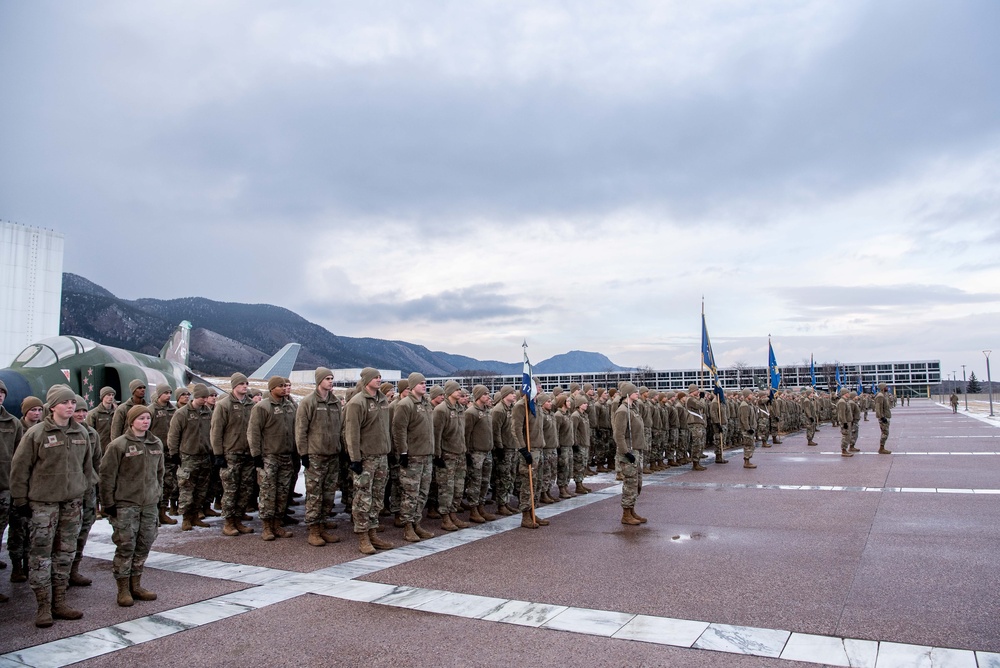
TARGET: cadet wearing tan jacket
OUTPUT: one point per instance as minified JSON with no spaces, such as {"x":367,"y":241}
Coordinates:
{"x":317,"y":437}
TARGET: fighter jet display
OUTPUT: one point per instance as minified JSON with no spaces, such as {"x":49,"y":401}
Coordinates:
{"x":87,"y":366}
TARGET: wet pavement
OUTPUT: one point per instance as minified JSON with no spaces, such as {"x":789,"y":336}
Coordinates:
{"x":873,"y":560}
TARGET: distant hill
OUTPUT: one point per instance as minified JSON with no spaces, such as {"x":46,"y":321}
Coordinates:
{"x":231,"y":336}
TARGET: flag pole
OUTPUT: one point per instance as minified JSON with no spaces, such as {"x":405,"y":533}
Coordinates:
{"x":531,"y":466}
{"x":701,"y":374}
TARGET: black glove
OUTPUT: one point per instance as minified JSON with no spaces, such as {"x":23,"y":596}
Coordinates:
{"x":630,"y":457}
{"x":305,"y":460}
{"x":357,"y":467}
{"x":392,"y":459}
{"x":750,"y":431}
{"x":110,"y":511}
{"x":258,"y":462}
{"x":701,"y":395}
{"x":23,"y":510}
{"x":219,"y":461}
{"x":883,"y":421}
{"x":404,"y":461}
{"x":468,"y":459}
{"x":845,"y":425}
{"x":439,"y":462}
{"x":526,"y":454}
{"x":175,"y":460}
{"x":576,"y":449}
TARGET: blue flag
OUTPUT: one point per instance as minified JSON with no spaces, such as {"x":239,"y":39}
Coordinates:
{"x":772,"y":367}
{"x":838,"y":379}
{"x":708,"y":359}
{"x":812,"y":370}
{"x":861,"y":388}
{"x":528,"y":382}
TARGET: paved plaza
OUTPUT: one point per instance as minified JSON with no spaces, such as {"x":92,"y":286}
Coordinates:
{"x":812,"y":558}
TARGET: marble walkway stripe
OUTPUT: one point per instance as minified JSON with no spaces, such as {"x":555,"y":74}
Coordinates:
{"x":828,"y":488}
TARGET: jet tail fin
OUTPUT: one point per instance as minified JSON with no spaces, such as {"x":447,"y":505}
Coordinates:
{"x":176,"y":347}
{"x":280,"y":364}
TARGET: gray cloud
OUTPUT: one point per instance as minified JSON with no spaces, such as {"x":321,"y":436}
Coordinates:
{"x":833,"y":300}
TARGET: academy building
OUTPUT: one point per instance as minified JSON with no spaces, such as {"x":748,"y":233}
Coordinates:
{"x":907,"y":378}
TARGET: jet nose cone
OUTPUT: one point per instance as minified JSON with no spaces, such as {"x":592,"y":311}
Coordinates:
{"x":17,"y":390}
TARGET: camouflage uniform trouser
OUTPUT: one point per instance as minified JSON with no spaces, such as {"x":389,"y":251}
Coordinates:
{"x":4,"y":514}
{"x":564,"y":467}
{"x":17,"y":536}
{"x":346,"y":482}
{"x":697,"y":432}
{"x":524,"y":498}
{"x":673,"y":445}
{"x":192,"y":481}
{"x":810,"y":430}
{"x":135,"y":529}
{"x":369,"y":492}
{"x":274,"y":480}
{"x":845,"y":436}
{"x":854,"y":433}
{"x":450,"y":482}
{"x":88,"y":515}
{"x":507,"y":469}
{"x":414,"y":485}
{"x":683,"y":443}
{"x":884,"y":428}
{"x":762,"y":428}
{"x":631,"y":474}
{"x":395,"y":492}
{"x":170,"y":489}
{"x":237,"y":485}
{"x":478,"y":477}
{"x":718,"y":437}
{"x":321,"y":487}
{"x":581,"y":455}
{"x":550,"y":467}
{"x":748,"y":445}
{"x":54,"y":528}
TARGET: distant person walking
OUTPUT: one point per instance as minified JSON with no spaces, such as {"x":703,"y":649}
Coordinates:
{"x":883,"y":411}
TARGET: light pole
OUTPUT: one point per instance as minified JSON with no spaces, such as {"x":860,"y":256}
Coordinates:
{"x":989,"y":380}
{"x":965,"y":384}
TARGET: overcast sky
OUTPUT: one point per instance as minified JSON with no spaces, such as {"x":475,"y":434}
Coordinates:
{"x":465,"y":175}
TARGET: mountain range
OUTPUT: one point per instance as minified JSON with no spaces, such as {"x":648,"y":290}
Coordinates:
{"x":226,"y":337}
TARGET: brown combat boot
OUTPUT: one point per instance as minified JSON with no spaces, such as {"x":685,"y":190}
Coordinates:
{"x":696,"y":466}
{"x":628,"y":519}
{"x":166,"y":519}
{"x":314,"y":538}
{"x":242,"y":528}
{"x":747,"y":464}
{"x":279,"y":530}
{"x":197,"y":521}
{"x":458,"y":522}
{"x":447,"y":524}
{"x":422,"y":532}
{"x":526,"y":521}
{"x":377,"y":542}
{"x":580,"y":489}
{"x":324,"y":532}
{"x":409,"y":535}
{"x":545,"y":498}
{"x":541,"y":522}
{"x":229,"y":528}
{"x":433,"y":514}
{"x":59,"y":608}
{"x":646,"y":470}
{"x":637,"y":516}
{"x":173,"y":508}
{"x":474,"y":516}
{"x":208,"y":512}
{"x":845,"y":453}
{"x":398,"y":522}
{"x":19,"y":570}
{"x":75,"y":579}
{"x":853,"y":449}
{"x":364,"y":544}
{"x":186,"y":524}
{"x":489,"y":517}
{"x":601,"y":468}
{"x":124,"y":595}
{"x":721,"y":460}
{"x":883,"y":451}
{"x":43,"y":618}
{"x":137,"y":591}
{"x":503,"y":510}
{"x":268,"y":532}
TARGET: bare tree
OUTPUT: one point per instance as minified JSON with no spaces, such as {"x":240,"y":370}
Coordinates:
{"x":741,"y":367}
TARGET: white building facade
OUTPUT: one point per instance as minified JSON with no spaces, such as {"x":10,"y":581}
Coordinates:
{"x":31,"y":265}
